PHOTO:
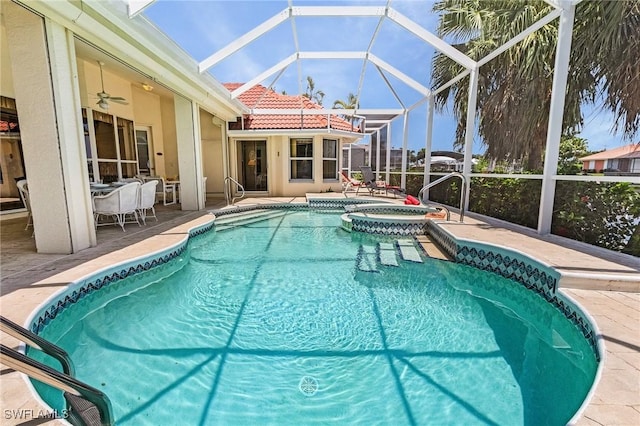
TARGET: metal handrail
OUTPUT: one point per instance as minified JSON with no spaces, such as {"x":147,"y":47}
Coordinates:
{"x":442,"y":179}
{"x":227,"y":190}
{"x":32,"y":339}
{"x":45,"y":374}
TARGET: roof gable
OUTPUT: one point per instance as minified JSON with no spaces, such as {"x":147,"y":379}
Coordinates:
{"x":260,"y":97}
{"x":627,"y":151}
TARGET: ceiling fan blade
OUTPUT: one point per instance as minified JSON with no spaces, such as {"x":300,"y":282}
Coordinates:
{"x":119,"y":100}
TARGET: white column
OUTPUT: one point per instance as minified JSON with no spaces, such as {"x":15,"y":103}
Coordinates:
{"x":472,"y":101}
{"x":189,"y":153}
{"x":378,"y":152}
{"x":388,"y":158}
{"x":428,"y":145}
{"x":47,"y":96}
{"x":405,"y":144}
{"x":556,"y":114}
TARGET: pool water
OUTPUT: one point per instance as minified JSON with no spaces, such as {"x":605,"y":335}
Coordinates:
{"x":276,"y":323}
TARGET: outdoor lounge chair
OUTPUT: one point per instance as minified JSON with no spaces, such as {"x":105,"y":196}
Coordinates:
{"x":370,"y":182}
{"x":348,"y":182}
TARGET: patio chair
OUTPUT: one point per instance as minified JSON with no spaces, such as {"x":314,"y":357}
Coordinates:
{"x":23,"y":189}
{"x":164,"y":189}
{"x":370,"y":181}
{"x":119,"y":203}
{"x":147,"y":200}
{"x":348,"y":182}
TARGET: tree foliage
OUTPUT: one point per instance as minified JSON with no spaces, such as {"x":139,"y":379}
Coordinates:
{"x":514,"y":89}
{"x":312,"y":93}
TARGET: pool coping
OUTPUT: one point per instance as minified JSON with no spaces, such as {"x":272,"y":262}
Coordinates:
{"x":179,"y":237}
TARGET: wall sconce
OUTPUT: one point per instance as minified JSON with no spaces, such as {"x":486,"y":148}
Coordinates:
{"x":147,"y":87}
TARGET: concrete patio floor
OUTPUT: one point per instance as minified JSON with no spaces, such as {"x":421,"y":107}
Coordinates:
{"x":589,"y":275}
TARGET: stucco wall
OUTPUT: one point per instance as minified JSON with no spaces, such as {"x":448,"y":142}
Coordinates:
{"x":279,"y":169}
{"x":148,"y":112}
{"x":6,"y":77}
{"x":212,"y":160}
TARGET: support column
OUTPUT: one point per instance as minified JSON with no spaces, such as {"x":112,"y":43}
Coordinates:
{"x":45,"y":80}
{"x":405,"y":144}
{"x":378,"y":141}
{"x":428,"y":146}
{"x":388,"y":157}
{"x":189,"y":153}
{"x":556,"y":114}
{"x":470,"y":131}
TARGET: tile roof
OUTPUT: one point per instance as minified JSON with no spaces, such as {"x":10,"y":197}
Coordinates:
{"x":261,"y":97}
{"x":627,"y":151}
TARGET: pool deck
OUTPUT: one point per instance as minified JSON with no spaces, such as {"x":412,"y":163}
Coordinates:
{"x":606,"y":284}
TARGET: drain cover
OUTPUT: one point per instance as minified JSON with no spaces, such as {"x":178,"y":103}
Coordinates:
{"x":308,"y":385}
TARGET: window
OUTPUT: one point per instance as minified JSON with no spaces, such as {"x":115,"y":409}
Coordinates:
{"x":113,"y":156}
{"x":301,"y":157}
{"x":11,"y":161}
{"x":329,"y":159}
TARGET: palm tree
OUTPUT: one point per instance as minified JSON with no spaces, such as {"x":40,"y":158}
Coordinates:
{"x":350,"y":103}
{"x":515,"y":88}
{"x":315,"y":95}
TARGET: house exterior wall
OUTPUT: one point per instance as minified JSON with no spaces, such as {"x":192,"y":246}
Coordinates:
{"x":279,"y":169}
{"x":147,"y":111}
{"x":212,"y":156}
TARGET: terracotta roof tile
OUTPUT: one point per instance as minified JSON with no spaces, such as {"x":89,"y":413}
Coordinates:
{"x":259,"y":97}
{"x":627,"y":151}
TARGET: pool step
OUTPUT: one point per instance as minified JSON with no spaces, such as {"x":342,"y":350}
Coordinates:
{"x":408,"y":251}
{"x":388,"y":255}
{"x":246,"y":218}
{"x":368,"y":259}
{"x":371,"y":258}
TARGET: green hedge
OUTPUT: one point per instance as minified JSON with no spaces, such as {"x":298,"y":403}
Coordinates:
{"x":603,"y":214}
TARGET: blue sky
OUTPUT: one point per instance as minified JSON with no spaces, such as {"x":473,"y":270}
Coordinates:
{"x":203,"y":27}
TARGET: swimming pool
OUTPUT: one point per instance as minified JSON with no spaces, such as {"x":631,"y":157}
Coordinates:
{"x":289,"y":320}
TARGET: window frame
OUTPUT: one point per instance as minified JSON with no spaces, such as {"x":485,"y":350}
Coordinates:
{"x":334,"y":159}
{"x":292,"y":158}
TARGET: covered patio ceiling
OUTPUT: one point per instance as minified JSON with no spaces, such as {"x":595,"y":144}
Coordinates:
{"x":393,"y":77}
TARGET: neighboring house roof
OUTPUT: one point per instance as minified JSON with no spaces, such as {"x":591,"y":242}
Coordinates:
{"x":627,"y":151}
{"x":261,"y":97}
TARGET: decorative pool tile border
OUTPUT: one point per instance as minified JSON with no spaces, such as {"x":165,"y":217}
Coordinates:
{"x":387,"y":227}
{"x":75,"y":291}
{"x":511,"y":264}
{"x":244,"y":209}
{"x":335,"y":203}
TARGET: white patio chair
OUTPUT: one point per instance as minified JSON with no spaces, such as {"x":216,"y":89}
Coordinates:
{"x":164,"y":189}
{"x":119,"y":203}
{"x":147,"y":200}
{"x":23,"y":189}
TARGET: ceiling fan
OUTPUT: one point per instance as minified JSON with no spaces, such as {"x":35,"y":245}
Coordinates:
{"x":104,"y":96}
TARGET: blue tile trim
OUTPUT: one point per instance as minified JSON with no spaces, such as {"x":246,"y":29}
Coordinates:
{"x":77,"y":290}
{"x":371,"y":226}
{"x":270,"y":206}
{"x":534,"y":275}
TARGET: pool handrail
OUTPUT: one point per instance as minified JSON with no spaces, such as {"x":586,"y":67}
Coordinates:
{"x":32,"y":339}
{"x":227,"y":190}
{"x":47,"y":375}
{"x":63,"y":381}
{"x":463,"y":190}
